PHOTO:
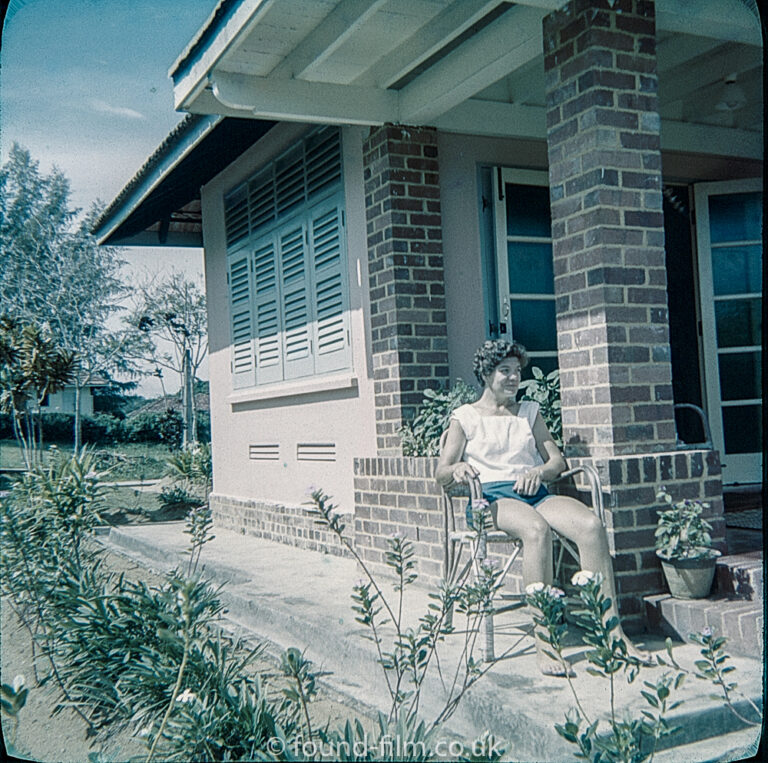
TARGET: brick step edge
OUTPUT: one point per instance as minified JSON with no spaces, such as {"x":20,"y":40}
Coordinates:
{"x":741,"y":622}
{"x":740,"y":576}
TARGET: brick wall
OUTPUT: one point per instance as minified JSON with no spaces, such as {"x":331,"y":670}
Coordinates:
{"x":607,"y":227}
{"x":400,"y":495}
{"x":631,"y":484}
{"x":283,"y":523}
{"x":405,"y":264}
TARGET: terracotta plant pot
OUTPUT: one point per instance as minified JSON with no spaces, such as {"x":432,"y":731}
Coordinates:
{"x":690,"y":578}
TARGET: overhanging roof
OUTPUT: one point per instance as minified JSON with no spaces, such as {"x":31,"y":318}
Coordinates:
{"x":469,"y":66}
{"x":160,"y":206}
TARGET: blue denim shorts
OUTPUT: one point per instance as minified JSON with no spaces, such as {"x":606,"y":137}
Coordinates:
{"x":492,"y":491}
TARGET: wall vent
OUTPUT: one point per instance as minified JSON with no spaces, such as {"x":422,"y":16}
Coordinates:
{"x":314,"y":451}
{"x":264,"y":452}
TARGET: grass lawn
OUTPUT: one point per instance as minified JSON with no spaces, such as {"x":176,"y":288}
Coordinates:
{"x":125,"y":461}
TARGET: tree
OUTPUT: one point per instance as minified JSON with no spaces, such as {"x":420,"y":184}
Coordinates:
{"x":53,"y":271}
{"x":173,"y":310}
{"x":32,"y":366}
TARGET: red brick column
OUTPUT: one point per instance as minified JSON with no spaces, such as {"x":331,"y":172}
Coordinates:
{"x":405,"y":264}
{"x":608,"y":229}
{"x":603,"y":130}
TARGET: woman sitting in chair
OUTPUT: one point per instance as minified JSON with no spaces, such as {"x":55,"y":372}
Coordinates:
{"x":507,"y":445}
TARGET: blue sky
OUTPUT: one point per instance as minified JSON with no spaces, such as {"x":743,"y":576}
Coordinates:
{"x":84,"y":86}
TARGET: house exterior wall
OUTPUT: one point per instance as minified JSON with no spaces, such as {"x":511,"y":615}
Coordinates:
{"x":334,"y":409}
{"x":63,"y":401}
{"x":460,"y":195}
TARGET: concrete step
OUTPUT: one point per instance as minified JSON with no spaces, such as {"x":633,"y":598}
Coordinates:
{"x":740,"y":576}
{"x":295,"y":597}
{"x":740,"y":621}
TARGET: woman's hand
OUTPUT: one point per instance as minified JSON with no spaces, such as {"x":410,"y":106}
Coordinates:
{"x":529,"y":483}
{"x":463,"y":472}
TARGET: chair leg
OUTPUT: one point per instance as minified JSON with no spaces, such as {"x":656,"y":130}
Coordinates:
{"x":489,"y":651}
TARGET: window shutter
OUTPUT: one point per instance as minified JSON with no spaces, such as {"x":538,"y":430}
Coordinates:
{"x":241,"y":321}
{"x":330,"y":288}
{"x":268,"y":344}
{"x":295,"y":288}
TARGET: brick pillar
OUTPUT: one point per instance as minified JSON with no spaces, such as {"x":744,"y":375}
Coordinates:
{"x":607,"y":227}
{"x":405,"y":264}
{"x":603,"y":131}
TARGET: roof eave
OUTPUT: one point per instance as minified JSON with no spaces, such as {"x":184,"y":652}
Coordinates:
{"x":160,"y":164}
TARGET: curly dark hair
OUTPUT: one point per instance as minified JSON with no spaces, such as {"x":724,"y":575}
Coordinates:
{"x":492,"y":352}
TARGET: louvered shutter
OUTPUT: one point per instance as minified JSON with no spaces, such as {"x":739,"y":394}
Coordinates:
{"x":330,"y":287}
{"x":268,"y":346}
{"x":241,"y":321}
{"x":296,"y":293}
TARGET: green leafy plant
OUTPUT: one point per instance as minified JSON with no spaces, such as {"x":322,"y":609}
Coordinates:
{"x":421,"y":436}
{"x":405,"y":653}
{"x":545,"y":390}
{"x":682,"y":532}
{"x":713,"y":667}
{"x":628,"y":739}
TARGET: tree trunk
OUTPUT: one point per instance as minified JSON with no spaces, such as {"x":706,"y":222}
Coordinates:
{"x":78,"y":419}
{"x":186,"y":401}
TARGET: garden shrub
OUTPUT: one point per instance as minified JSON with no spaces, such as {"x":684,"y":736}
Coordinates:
{"x":148,"y":426}
{"x":102,"y":428}
{"x":421,"y":435}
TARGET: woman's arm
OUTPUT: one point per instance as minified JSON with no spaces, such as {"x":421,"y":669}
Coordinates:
{"x":450,"y":467}
{"x":554,"y":463}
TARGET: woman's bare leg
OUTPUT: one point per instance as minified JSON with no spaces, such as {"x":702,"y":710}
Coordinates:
{"x":520,"y":520}
{"x":573,"y":520}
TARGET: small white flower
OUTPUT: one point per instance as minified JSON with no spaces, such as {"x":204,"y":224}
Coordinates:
{"x":555,"y":593}
{"x":583,"y":577}
{"x":18,"y":683}
{"x":186,"y":696}
{"x":534,"y":588}
{"x":706,"y":632}
{"x":480,"y":503}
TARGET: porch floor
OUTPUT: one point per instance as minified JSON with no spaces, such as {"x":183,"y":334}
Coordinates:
{"x":288,"y":596}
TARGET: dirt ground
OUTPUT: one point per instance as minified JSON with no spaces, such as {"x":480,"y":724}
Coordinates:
{"x":46,"y":737}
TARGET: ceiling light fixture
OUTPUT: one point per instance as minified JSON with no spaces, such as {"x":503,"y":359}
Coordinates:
{"x":732,"y":97}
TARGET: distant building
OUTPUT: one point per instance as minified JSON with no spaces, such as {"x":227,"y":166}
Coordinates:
{"x":63,"y":401}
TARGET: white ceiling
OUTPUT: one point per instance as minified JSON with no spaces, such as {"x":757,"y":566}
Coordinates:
{"x":473,"y":66}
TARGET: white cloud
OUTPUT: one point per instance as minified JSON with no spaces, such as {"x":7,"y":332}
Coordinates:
{"x":119,"y":111}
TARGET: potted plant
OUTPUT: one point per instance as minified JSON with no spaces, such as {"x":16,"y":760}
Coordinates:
{"x":684,"y":546}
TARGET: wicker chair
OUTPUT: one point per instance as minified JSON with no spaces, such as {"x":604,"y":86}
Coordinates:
{"x":477,"y":542}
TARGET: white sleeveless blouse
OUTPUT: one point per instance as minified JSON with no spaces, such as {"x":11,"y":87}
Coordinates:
{"x":501,"y":448}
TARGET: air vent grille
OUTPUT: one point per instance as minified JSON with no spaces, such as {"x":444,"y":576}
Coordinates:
{"x":264,"y":452}
{"x":316,"y":451}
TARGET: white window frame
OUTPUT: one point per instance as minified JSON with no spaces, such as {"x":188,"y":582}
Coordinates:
{"x":737,"y":467}
{"x":501,"y":177}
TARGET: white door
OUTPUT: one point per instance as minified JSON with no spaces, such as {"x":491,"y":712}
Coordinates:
{"x":526,"y":288}
{"x":729,"y":235}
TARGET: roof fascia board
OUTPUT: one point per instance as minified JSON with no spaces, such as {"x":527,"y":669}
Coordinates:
{"x":188,"y":84}
{"x":168,"y":161}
